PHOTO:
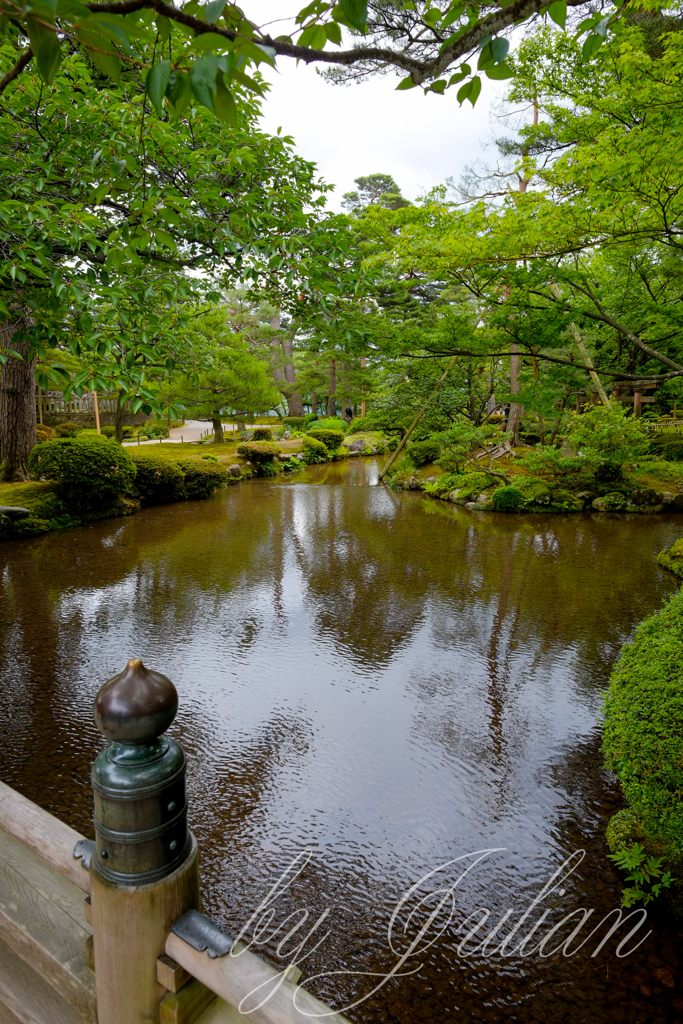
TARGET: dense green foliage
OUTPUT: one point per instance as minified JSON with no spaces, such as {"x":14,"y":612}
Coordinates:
{"x":263,"y":434}
{"x":423,"y":452}
{"x":643,"y":740}
{"x":330,"y":423}
{"x":262,"y":454}
{"x":332,"y":439}
{"x":87,"y":472}
{"x":508,"y":499}
{"x":314,"y":450}
{"x":157,"y":480}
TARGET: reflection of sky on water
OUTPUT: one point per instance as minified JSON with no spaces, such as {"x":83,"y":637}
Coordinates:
{"x":391,"y":686}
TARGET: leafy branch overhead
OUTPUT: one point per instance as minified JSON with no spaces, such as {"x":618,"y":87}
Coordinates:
{"x":202,"y":52}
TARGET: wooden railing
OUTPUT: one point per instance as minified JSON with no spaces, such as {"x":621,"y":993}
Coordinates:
{"x":126,"y":954}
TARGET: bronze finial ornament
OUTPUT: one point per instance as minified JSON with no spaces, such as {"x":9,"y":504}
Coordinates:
{"x":139,"y":779}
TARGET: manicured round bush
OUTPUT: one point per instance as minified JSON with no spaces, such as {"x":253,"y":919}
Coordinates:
{"x":507,"y":499}
{"x":332,"y":423}
{"x":157,"y":479}
{"x":423,"y":452}
{"x":91,"y":435}
{"x":311,"y":417}
{"x":43,"y":434}
{"x":201,"y":479}
{"x":88,"y":473}
{"x":110,"y":431}
{"x":67,"y":429}
{"x":314,"y":450}
{"x":263,"y":434}
{"x":262,"y":454}
{"x":643,"y":742}
{"x":330,"y":438}
{"x":294,"y":422}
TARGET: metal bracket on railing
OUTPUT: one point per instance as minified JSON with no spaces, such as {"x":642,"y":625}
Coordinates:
{"x":202,"y":934}
{"x":84,"y":849}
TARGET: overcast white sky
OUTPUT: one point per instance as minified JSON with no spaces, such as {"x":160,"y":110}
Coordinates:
{"x":370,"y":128}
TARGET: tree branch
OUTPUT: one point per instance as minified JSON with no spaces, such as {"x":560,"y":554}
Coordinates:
{"x":14,"y":72}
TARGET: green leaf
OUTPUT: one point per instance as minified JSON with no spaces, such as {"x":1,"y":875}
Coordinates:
{"x":485,"y":57}
{"x":453,"y":15}
{"x":470,"y":91}
{"x":71,"y":10}
{"x":465,"y":70}
{"x":157,"y":81}
{"x":48,"y":57}
{"x":406,"y":83}
{"x":179,"y":92}
{"x":94,"y":45}
{"x":209,"y":41}
{"x":499,"y":72}
{"x":36,"y":33}
{"x":558,"y":12}
{"x":464,"y":91}
{"x":432,"y":17}
{"x":499,"y":49}
{"x":163,"y":26}
{"x":214,"y":9}
{"x":333,"y":32}
{"x":226,"y":108}
{"x":591,"y":45}
{"x":203,"y":80}
{"x":355,"y":12}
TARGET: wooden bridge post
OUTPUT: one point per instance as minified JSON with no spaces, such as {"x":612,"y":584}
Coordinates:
{"x":144,"y":869}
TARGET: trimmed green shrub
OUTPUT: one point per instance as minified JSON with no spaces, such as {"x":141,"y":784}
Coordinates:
{"x":262,"y":454}
{"x":507,"y":499}
{"x":263,"y":434}
{"x":311,"y":417}
{"x":110,"y":431}
{"x":643,"y":740}
{"x":157,"y":479}
{"x":314,"y":450}
{"x":332,"y":423}
{"x":295,"y":422}
{"x":88,"y":473}
{"x":672,"y":558}
{"x":423,"y":452}
{"x":90,"y":434}
{"x":201,"y":479}
{"x":330,"y":438}
{"x":67,"y":429}
{"x":44,"y":434}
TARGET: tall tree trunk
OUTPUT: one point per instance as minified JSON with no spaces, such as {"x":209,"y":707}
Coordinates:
{"x":118,"y":417}
{"x":314,"y":402}
{"x":17,"y":403}
{"x":296,"y":406}
{"x":515,"y":413}
{"x":332,"y":393}
{"x":217,"y":425}
{"x":556,"y":425}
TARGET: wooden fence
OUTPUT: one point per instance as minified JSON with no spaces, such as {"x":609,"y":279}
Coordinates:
{"x":77,"y":947}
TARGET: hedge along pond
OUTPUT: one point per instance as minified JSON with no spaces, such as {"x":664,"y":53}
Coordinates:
{"x":386,"y":680}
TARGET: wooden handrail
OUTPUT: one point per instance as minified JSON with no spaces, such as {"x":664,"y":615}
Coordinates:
{"x":40,"y":831}
{"x":235,"y":976}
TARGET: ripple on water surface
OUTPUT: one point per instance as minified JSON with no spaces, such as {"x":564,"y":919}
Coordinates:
{"x":380,"y":680}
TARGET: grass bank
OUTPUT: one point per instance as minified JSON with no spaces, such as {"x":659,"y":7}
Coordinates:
{"x":164,"y":473}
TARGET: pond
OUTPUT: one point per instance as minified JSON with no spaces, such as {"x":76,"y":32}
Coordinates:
{"x":378,"y":684}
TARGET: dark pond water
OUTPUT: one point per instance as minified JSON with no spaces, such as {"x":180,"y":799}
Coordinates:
{"x":386,"y":683}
